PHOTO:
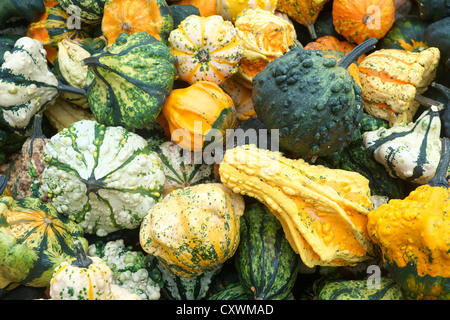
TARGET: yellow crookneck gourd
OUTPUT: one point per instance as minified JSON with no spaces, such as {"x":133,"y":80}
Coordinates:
{"x":323,"y":211}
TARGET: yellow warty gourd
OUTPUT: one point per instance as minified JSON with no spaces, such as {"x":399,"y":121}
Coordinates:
{"x":323,"y":211}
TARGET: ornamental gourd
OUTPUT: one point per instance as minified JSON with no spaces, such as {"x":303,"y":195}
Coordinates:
{"x":34,"y":239}
{"x":414,"y":236}
{"x":264,"y":37}
{"x":104,"y":178}
{"x":26,"y":85}
{"x":206,"y":49}
{"x":407,"y":34}
{"x":409,"y":151}
{"x":199,"y":115}
{"x":86,"y":278}
{"x":88,"y":11}
{"x":207,"y":220}
{"x":26,"y":9}
{"x":391,"y":79}
{"x":151,"y":16}
{"x":229,"y":9}
{"x":323,"y":211}
{"x":311,"y":99}
{"x":241,"y":96}
{"x":358,"y":21}
{"x":128,"y":84}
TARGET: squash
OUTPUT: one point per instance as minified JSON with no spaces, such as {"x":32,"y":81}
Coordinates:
{"x":264,"y":37}
{"x":104,"y":178}
{"x":128,"y":84}
{"x":241,"y":96}
{"x":323,"y":211}
{"x":311,"y":99}
{"x":304,"y":12}
{"x":409,"y":151}
{"x":182,"y":288}
{"x":7,"y":44}
{"x":233,"y":291}
{"x":26,"y":85}
{"x":207,"y":7}
{"x":25,"y":9}
{"x":34,"y":239}
{"x":359,"y":290}
{"x":199,"y":115}
{"x":358,"y":21}
{"x":437,"y":35}
{"x":25,"y":175}
{"x":181,"y":12}
{"x":433,"y":10}
{"x":181,"y":169}
{"x":266,"y":263}
{"x":229,"y":9}
{"x":89,"y":11}
{"x":413,"y":235}
{"x":206,"y":49}
{"x":332,"y":47}
{"x":86,"y":278}
{"x":151,"y":16}
{"x":51,"y":27}
{"x":391,"y":79}
{"x":407,"y":34}
{"x":207,"y":223}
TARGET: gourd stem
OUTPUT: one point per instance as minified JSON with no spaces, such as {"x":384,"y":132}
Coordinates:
{"x":37,"y":126}
{"x":312,"y":31}
{"x":70,"y":89}
{"x":82,"y":261}
{"x":440,"y":177}
{"x":3,"y":183}
{"x":427,"y":102}
{"x":442,"y":88}
{"x":358,"y":51}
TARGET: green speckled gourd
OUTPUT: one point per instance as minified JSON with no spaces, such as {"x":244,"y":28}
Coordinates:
{"x":90,"y":11}
{"x":128,"y":84}
{"x":266,"y":263}
{"x":104,"y":178}
{"x":355,"y":157}
{"x":311,"y":99}
{"x":386,"y":289}
{"x":182,"y":288}
{"x":34,"y":239}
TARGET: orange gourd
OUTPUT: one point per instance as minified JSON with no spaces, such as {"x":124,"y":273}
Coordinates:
{"x":206,"y":7}
{"x":358,"y":21}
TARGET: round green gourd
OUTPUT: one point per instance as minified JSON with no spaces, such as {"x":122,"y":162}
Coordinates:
{"x":34,"y":239}
{"x":104,"y":178}
{"x":361,"y":290}
{"x":312,"y":100}
{"x":128,"y":84}
{"x":266,"y":263}
{"x":233,"y":291}
{"x":407,"y":34}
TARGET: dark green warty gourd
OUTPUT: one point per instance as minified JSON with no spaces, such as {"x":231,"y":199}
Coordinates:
{"x":311,"y":99}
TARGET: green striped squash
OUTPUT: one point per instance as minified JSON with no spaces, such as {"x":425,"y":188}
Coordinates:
{"x":91,"y":11}
{"x":387,"y":289}
{"x":181,"y":169}
{"x":128,"y":84}
{"x":266,"y":263}
{"x":105,"y":178}
{"x":181,"y":288}
{"x":34,"y":239}
{"x":233,"y":291}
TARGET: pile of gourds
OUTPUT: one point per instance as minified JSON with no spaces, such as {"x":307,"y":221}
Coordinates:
{"x":224,"y":150}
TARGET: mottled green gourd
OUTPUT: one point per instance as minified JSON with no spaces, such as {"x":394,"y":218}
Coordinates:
{"x":386,"y":289}
{"x":266,"y":263}
{"x":407,"y":34}
{"x":89,"y":11}
{"x":312,"y":100}
{"x":128,"y":84}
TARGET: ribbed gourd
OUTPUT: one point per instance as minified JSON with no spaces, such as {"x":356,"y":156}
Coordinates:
{"x":193,"y":230}
{"x":104,"y":178}
{"x":34,"y":239}
{"x":128,"y":84}
{"x":88,"y":11}
{"x":323,"y":211}
{"x":414,"y":236}
{"x":391,"y":78}
{"x":409,"y":151}
{"x":266,"y":263}
{"x":311,"y":99}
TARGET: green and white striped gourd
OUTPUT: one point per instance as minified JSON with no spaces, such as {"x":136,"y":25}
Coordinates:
{"x":105,"y":178}
{"x":409,"y":151}
{"x":181,"y":168}
{"x":128,"y":84}
{"x":90,"y":11}
{"x":266,"y":263}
